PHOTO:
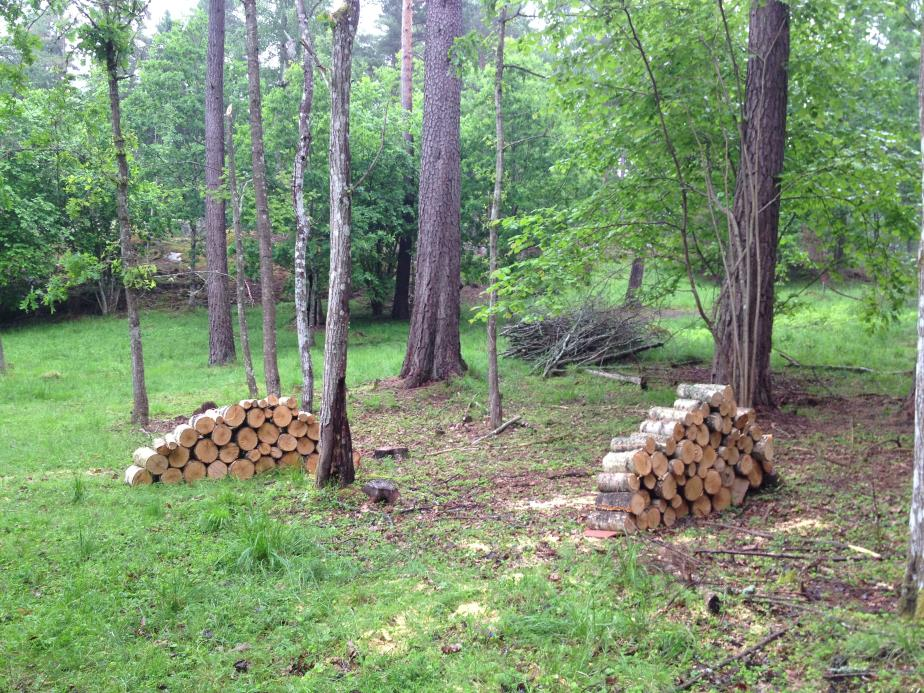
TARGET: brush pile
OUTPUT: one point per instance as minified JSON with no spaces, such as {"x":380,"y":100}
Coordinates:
{"x":586,"y":337}
{"x":697,"y":457}
{"x":243,"y":439}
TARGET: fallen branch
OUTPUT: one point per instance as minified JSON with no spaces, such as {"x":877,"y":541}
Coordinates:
{"x":765,"y":554}
{"x":833,"y":367}
{"x":500,"y":429}
{"x":866,"y":554}
{"x":733,"y":658}
{"x":634,"y":379}
{"x":570,"y":474}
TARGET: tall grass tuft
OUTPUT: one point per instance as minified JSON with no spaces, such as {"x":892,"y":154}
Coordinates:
{"x":266,"y":545}
{"x":78,"y":488}
{"x":86,"y":545}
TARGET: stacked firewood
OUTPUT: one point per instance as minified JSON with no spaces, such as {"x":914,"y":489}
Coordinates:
{"x":243,"y":439}
{"x":699,"y":456}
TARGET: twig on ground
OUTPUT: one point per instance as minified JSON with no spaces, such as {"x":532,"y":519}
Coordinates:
{"x":834,"y":675}
{"x":866,"y":554}
{"x":743,"y":530}
{"x":565,"y":475}
{"x":500,"y":429}
{"x":834,"y":367}
{"x":728,"y":660}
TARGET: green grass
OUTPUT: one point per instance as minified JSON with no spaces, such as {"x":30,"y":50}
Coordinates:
{"x":110,"y":588}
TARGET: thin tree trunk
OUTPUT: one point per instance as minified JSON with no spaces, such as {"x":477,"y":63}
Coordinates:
{"x":912,"y":596}
{"x":636,"y":276}
{"x":302,"y":222}
{"x":2,"y":358}
{"x":284,"y":59}
{"x":336,"y":444}
{"x":139,"y":390}
{"x":221,"y":335}
{"x":264,"y":228}
{"x":434,"y":351}
{"x":744,"y":325}
{"x":400,"y":306}
{"x":193,"y":258}
{"x":239,"y":259}
{"x":495,"y":409}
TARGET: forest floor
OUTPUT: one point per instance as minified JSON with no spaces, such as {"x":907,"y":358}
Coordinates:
{"x":480,"y":577}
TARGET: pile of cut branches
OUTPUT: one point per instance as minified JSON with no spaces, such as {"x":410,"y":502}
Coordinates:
{"x":587,"y":336}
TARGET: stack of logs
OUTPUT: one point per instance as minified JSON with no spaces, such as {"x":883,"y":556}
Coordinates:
{"x":697,"y":457}
{"x":243,"y":439}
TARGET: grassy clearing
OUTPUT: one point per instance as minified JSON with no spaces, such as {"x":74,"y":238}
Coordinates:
{"x":480,"y":578}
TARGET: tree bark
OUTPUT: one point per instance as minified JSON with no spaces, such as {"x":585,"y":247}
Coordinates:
{"x":495,"y":409}
{"x":336,"y":445}
{"x":221,"y":335}
{"x":139,"y":389}
{"x":239,"y":260}
{"x":434,"y":351}
{"x":636,"y":276}
{"x":400,"y":306}
{"x":744,"y":324}
{"x":302,"y":222}
{"x":264,"y":228}
{"x":912,"y":596}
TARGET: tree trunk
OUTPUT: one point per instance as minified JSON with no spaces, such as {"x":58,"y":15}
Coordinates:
{"x":139,"y":390}
{"x":336,"y":445}
{"x":221,"y":335}
{"x":400,"y":306}
{"x":744,"y":324}
{"x":636,"y":276}
{"x":284,"y":58}
{"x":433,"y":348}
{"x":495,"y":409}
{"x":239,"y":260}
{"x":193,"y":259}
{"x":312,"y":299}
{"x":912,"y":597}
{"x":2,"y":358}
{"x":302,"y":222}
{"x":264,"y":228}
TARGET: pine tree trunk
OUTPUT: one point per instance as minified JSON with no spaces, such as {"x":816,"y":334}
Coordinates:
{"x":221,"y":335}
{"x":239,"y":260}
{"x":495,"y":409}
{"x":336,"y":445}
{"x":744,"y":324}
{"x":434,"y":351}
{"x":400,"y":306}
{"x":302,"y":222}
{"x":264,"y":228}
{"x":912,"y":596}
{"x":139,"y":390}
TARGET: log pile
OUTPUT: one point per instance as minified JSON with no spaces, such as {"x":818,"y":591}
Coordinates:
{"x":697,"y":457}
{"x":240,"y":440}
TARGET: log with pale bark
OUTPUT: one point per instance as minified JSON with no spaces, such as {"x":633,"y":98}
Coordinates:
{"x":696,"y":457}
{"x":241,"y":440}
